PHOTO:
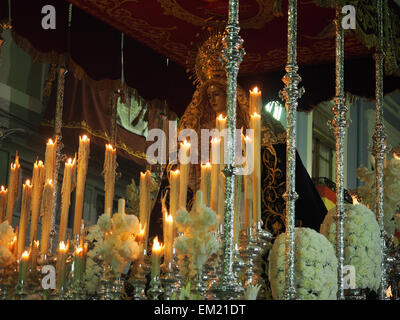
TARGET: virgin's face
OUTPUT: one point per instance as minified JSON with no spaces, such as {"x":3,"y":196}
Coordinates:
{"x":217,"y":99}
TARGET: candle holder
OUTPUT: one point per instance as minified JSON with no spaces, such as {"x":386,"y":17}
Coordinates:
{"x":139,"y":279}
{"x":169,"y":278}
{"x":111,"y":284}
{"x":155,"y":290}
{"x":200,"y":287}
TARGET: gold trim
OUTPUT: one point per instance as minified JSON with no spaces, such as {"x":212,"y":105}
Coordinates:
{"x":96,"y":133}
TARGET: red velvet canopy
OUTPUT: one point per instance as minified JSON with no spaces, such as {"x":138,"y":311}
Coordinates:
{"x":169,"y":27}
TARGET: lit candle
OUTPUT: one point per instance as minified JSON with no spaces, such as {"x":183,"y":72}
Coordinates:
{"x":184,"y":177}
{"x":221,"y":126}
{"x":78,"y":264}
{"x":23,"y":267}
{"x":13,"y":245}
{"x":109,"y":177}
{"x":168,"y":238}
{"x":174,"y":195}
{"x":82,"y":165}
{"x":60,"y":265}
{"x":13,"y":188}
{"x":23,"y":221}
{"x":37,"y":190}
{"x":155,"y":258}
{"x":215,"y":146}
{"x":255,"y":101}
{"x":3,"y":203}
{"x":205,"y":185}
{"x":46,"y":213}
{"x":144,"y":204}
{"x":255,"y":124}
{"x":140,"y":235}
{"x":50,"y":159}
{"x":67,"y":187}
{"x":248,"y":187}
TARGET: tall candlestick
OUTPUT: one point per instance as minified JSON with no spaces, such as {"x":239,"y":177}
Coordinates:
{"x":156,"y":253}
{"x":184,"y":177}
{"x":255,"y":124}
{"x":215,"y":147}
{"x":109,"y":177}
{"x":248,"y":184}
{"x":46,"y":213}
{"x":13,"y":188}
{"x":255,"y":101}
{"x":3,"y":203}
{"x":60,"y":265}
{"x":50,"y":159}
{"x":37,"y":190}
{"x":23,"y":221}
{"x":66,"y":190}
{"x":82,"y":165}
{"x":168,"y":238}
{"x":144,"y":204}
{"x":23,"y":267}
{"x":174,"y":195}
{"x":205,"y":185}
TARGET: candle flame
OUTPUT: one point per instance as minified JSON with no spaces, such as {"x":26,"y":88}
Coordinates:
{"x":38,"y":164}
{"x":3,"y":189}
{"x":141,"y":230}
{"x":255,"y":114}
{"x":221,"y":117}
{"x":50,"y":181}
{"x":27,"y":183}
{"x":14,"y":240}
{"x":25,"y":255}
{"x":70,"y":161}
{"x":206,"y":165}
{"x":62,"y":246}
{"x":157,"y":245}
{"x":388,"y":292}
{"x":36,"y":243}
{"x":84,"y":138}
{"x":247,"y":139}
{"x":355,"y":200}
{"x":110,"y":147}
{"x":176,"y":172}
{"x":50,"y":142}
{"x":255,"y":89}
{"x":168,"y":217}
{"x":78,"y":250}
{"x":13,"y":165}
{"x":185,"y":143}
{"x":215,"y":140}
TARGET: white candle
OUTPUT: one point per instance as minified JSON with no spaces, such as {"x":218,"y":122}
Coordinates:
{"x":184,"y":177}
{"x":255,"y":124}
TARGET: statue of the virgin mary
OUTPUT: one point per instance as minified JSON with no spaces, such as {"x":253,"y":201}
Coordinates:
{"x":209,"y":100}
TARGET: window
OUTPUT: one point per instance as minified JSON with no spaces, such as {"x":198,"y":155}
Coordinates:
{"x":323,"y":159}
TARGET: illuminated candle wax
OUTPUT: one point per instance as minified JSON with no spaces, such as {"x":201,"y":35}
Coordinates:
{"x":121,"y":206}
{"x":60,"y":266}
{"x":37,"y":190}
{"x":78,"y":264}
{"x":46,"y":213}
{"x":184,"y":177}
{"x":50,"y":159}
{"x":156,"y":253}
{"x":144,"y":204}
{"x":174,"y":195}
{"x":82,"y":165}
{"x":23,"y":267}
{"x":205,"y":185}
{"x":67,"y":186}
{"x":109,"y":177}
{"x":221,"y":126}
{"x":168,"y":238}
{"x":13,"y":188}
{"x":13,"y":245}
{"x":3,"y":203}
{"x":255,"y":124}
{"x":248,"y":186}
{"x":215,"y":146}
{"x":255,"y":101}
{"x":23,"y":221}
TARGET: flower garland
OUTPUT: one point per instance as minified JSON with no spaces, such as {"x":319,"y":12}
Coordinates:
{"x":361,"y":241}
{"x":315,"y":266}
{"x":391,"y":187}
{"x":198,"y":240}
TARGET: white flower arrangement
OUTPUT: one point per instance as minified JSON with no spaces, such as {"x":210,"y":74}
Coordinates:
{"x":113,"y":240}
{"x":361,"y":241}
{"x":198,"y":240}
{"x":391,"y":187}
{"x":6,"y":237}
{"x":315,"y":266}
